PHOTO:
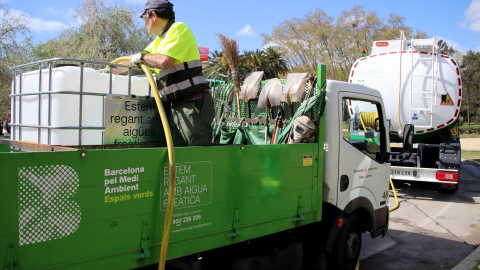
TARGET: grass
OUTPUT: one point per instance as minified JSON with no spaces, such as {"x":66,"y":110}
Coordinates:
{"x":470,"y":136}
{"x":471,"y":155}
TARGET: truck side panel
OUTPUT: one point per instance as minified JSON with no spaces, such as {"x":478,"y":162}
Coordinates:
{"x":91,"y":209}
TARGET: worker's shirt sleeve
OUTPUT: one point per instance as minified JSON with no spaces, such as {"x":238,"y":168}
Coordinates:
{"x":179,"y":43}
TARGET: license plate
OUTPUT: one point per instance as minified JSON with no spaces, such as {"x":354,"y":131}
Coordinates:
{"x":402,"y":173}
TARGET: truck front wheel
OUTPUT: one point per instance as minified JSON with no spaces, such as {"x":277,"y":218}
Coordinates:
{"x":346,"y":250}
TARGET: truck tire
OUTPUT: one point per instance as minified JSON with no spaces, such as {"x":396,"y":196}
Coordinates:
{"x":346,"y":250}
{"x":448,"y":189}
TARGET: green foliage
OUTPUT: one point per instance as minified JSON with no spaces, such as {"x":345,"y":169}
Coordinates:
{"x":13,"y":51}
{"x":317,"y":38}
{"x":470,"y":67}
{"x":472,"y":129}
{"x":268,"y":60}
{"x":444,"y":49}
{"x":105,"y":33}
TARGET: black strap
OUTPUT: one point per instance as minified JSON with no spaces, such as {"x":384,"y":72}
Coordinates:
{"x":185,"y":64}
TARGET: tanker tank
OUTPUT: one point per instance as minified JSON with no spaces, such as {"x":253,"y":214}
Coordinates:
{"x":419,"y":86}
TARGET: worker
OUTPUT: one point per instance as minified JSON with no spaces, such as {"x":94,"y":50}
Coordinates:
{"x":184,"y":91}
{"x":6,"y":124}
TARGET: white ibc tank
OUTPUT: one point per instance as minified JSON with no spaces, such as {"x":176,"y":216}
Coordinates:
{"x":66,"y":117}
{"x":418,"y":84}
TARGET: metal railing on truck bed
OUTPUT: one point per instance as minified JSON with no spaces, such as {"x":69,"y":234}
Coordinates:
{"x":64,"y":97}
{"x":68,"y":102}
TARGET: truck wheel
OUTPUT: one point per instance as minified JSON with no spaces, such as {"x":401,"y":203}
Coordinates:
{"x":347,"y":247}
{"x":448,"y":188}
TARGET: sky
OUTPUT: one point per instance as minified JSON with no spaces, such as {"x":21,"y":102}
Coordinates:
{"x":455,"y":21}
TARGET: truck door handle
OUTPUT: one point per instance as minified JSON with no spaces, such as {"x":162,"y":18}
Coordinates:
{"x":344,"y":182}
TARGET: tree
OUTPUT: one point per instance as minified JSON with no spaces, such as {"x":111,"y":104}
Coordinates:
{"x":355,"y":30}
{"x":318,"y":38}
{"x":268,"y":60}
{"x":105,"y":33}
{"x":277,"y":65}
{"x":13,"y":51}
{"x":217,"y":64}
{"x":444,"y":49}
{"x":395,"y":24}
{"x":471,"y":86}
{"x":305,"y":42}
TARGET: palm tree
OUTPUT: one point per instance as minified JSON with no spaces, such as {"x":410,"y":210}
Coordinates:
{"x":216,"y":64}
{"x":268,"y":60}
{"x":254,"y":60}
{"x":277,"y":64}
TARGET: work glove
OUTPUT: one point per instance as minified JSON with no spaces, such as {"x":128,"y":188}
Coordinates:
{"x":137,"y":58}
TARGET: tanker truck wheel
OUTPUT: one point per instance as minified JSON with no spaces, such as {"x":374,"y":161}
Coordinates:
{"x":448,"y":188}
{"x":346,"y":250}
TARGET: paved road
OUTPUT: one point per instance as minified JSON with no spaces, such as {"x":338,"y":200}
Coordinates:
{"x":470,"y":144}
{"x":430,"y":230}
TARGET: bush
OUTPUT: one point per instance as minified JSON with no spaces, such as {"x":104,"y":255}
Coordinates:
{"x":472,"y":129}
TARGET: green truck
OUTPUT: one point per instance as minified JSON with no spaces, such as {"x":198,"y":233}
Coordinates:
{"x":92,"y":193}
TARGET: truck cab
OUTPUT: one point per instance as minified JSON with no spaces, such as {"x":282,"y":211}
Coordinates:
{"x":356,"y":170}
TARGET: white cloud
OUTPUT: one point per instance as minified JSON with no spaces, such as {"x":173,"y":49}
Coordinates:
{"x":68,"y":14}
{"x":246,"y":31}
{"x":40,"y":25}
{"x":472,"y":16}
{"x":475,"y":26}
{"x":270,"y":44}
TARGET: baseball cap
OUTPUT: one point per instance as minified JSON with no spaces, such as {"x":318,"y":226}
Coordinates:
{"x":156,"y":4}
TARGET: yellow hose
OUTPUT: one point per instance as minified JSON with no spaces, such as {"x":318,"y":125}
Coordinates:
{"x":368,"y":119}
{"x":171,"y":162}
{"x":395,"y":194}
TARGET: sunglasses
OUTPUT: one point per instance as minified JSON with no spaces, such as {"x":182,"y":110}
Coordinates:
{"x":146,"y":15}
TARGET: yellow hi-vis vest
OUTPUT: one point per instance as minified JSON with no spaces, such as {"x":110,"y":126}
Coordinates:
{"x":185,"y":76}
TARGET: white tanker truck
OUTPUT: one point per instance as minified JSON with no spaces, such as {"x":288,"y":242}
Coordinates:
{"x":419,"y":87}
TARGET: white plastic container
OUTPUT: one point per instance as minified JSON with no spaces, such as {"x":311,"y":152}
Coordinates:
{"x":418,"y":85}
{"x":66,"y":117}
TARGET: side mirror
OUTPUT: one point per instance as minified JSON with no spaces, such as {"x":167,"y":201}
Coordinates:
{"x":408,"y":138}
{"x":407,"y":143}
